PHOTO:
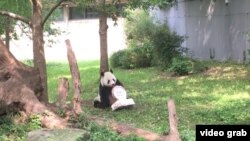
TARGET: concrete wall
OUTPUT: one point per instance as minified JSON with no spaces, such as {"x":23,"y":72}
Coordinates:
{"x":84,"y":37}
{"x":213,"y":28}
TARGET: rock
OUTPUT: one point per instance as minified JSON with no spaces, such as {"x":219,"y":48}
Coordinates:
{"x":69,"y":134}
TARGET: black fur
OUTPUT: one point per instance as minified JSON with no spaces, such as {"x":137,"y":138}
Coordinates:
{"x":105,"y":92}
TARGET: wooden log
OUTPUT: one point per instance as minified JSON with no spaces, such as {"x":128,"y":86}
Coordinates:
{"x":75,"y":78}
{"x":63,"y":91}
{"x":173,"y":134}
{"x":125,"y":129}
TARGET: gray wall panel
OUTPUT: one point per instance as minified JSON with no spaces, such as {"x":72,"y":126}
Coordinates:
{"x":212,"y":27}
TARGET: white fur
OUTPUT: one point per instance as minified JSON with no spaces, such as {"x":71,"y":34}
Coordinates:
{"x":108,"y":79}
{"x":98,"y":98}
{"x":119,"y":92}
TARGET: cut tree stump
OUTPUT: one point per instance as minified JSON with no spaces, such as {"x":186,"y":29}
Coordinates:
{"x":63,"y":91}
{"x":75,"y":78}
{"x":20,"y":90}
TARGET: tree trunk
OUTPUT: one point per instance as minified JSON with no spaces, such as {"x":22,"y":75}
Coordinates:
{"x":37,"y":23}
{"x":38,"y":46}
{"x":20,"y":85}
{"x":75,"y":78}
{"x":103,"y":28}
{"x":7,"y":33}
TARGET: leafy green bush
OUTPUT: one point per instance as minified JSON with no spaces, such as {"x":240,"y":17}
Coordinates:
{"x":116,"y":58}
{"x":180,"y":66}
{"x":157,"y":39}
{"x":138,"y":57}
{"x":123,"y":59}
{"x":128,"y":61}
{"x":138,"y":26}
{"x":167,"y":45}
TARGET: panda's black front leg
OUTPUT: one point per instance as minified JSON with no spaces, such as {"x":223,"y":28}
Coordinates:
{"x":104,"y":96}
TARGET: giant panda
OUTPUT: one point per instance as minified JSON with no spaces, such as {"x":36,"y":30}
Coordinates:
{"x":107,"y":81}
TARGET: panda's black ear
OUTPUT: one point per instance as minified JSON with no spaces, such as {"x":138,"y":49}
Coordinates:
{"x":111,"y":70}
{"x":102,"y":73}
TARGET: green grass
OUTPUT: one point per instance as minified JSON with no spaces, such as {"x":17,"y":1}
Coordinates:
{"x":218,"y":96}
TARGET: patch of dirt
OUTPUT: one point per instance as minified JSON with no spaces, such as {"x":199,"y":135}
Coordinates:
{"x":226,"y":72}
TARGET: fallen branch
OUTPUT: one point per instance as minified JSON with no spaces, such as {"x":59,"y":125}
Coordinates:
{"x":125,"y":129}
{"x":173,"y":134}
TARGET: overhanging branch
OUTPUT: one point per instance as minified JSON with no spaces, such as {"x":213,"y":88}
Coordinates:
{"x":51,"y":11}
{"x":16,"y":17}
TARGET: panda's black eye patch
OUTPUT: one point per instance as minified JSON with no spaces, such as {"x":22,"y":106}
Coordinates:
{"x":114,"y":80}
{"x":108,"y":81}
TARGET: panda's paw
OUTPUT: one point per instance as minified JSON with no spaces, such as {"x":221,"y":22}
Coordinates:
{"x":97,"y":98}
{"x":97,"y":102}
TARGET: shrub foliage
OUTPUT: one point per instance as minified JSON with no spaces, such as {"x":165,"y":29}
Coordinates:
{"x":149,"y":44}
{"x":180,"y":66}
{"x":136,"y":57}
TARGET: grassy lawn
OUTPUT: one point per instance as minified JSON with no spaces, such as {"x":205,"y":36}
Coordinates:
{"x":218,"y":96}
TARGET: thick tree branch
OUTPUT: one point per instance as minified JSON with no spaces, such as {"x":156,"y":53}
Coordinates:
{"x":36,"y":2}
{"x":51,"y":11}
{"x":16,"y":17}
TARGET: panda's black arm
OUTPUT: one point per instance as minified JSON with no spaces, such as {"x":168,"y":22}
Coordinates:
{"x":104,"y":96}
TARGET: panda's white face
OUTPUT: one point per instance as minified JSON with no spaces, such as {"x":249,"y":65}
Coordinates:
{"x":108,"y":79}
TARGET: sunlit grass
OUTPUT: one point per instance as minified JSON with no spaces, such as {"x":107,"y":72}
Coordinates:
{"x":221,"y":95}
{"x":218,"y":96}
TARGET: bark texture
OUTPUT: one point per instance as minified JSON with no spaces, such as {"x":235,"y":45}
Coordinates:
{"x":36,"y":24}
{"x":20,"y":87}
{"x":38,"y":46}
{"x":75,"y":78}
{"x":7,"y":32}
{"x":63,"y":91}
{"x":173,"y":134}
{"x":103,"y":28}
